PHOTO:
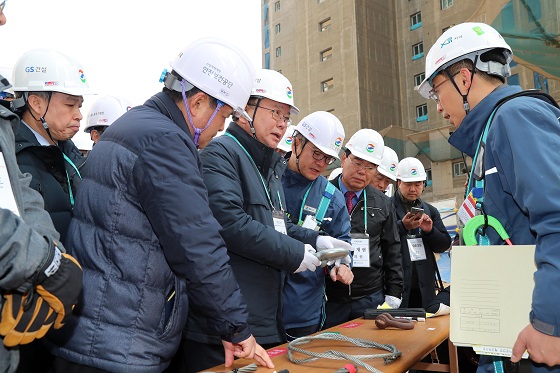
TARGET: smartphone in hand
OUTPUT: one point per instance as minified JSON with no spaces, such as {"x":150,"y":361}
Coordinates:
{"x":416,"y":213}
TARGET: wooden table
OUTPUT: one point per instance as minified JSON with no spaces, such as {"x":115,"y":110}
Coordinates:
{"x":414,"y":344}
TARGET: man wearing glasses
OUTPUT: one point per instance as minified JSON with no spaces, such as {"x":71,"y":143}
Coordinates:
{"x":242,"y":172}
{"x":377,"y":260}
{"x":314,"y":203}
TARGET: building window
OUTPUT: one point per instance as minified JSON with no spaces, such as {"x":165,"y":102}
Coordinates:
{"x":428,"y":177}
{"x":278,"y":51}
{"x":419,"y":79}
{"x":276,"y":6}
{"x":325,"y":25}
{"x":277,"y":28}
{"x":446,"y":4}
{"x":415,"y":21}
{"x":267,"y":60}
{"x":326,"y":54}
{"x":422,"y":113}
{"x":459,"y":169}
{"x":327,"y":85}
{"x":417,"y":51}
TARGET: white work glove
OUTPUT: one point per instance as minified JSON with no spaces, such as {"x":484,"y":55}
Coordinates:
{"x":310,"y":261}
{"x":393,"y":302}
{"x":328,"y":242}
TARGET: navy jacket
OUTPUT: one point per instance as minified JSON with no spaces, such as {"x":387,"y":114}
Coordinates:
{"x":304,"y":292}
{"x":436,"y":241}
{"x":521,"y":185}
{"x":51,"y":173}
{"x":385,"y":267}
{"x":260,"y":256}
{"x":144,"y":234}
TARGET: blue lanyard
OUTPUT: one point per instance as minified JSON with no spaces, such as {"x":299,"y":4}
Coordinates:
{"x":71,"y":195}
{"x":303,"y":202}
{"x":257,"y":170}
{"x":365,"y":211}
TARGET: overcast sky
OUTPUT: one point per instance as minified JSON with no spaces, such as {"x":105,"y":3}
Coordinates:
{"x":124,"y":45}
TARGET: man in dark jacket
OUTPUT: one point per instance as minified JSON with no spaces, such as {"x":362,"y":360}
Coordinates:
{"x":29,"y":247}
{"x":50,"y":117}
{"x":377,"y":264}
{"x":314,"y":203}
{"x":242,"y":172}
{"x":422,"y":234}
{"x":144,"y":232}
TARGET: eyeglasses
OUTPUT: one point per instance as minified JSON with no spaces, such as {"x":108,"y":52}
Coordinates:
{"x":319,"y":156}
{"x":433,"y":94}
{"x":276,"y":115}
{"x":359,"y":166}
{"x":3,"y":5}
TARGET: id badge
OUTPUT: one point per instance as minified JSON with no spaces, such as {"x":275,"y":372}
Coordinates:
{"x":360,"y":243}
{"x":310,"y":222}
{"x":279,"y":222}
{"x":7,"y":198}
{"x":416,"y":249}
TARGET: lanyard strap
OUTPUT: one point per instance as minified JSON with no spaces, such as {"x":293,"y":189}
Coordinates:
{"x":256,"y":169}
{"x":365,"y":211}
{"x":70,"y":194}
{"x":303,"y":203}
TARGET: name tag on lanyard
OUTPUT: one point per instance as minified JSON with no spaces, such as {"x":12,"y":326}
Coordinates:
{"x":7,"y":198}
{"x":416,"y":249}
{"x":360,"y":243}
{"x":279,"y":222}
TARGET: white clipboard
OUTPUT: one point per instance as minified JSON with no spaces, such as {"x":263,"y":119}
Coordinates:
{"x":491,"y":296}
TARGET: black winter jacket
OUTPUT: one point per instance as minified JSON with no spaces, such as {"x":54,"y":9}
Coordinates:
{"x":260,"y":256}
{"x":149,"y":246}
{"x":436,"y":241}
{"x":49,"y":170}
{"x":385,"y":270}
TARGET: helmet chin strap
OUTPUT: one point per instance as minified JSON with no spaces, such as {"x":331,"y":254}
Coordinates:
{"x":298,"y":155}
{"x":466,"y":105}
{"x":253,"y":132}
{"x":42,"y":117}
{"x":198,"y":131}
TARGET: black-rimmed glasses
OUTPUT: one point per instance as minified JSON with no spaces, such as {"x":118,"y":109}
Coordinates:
{"x":276,"y":115}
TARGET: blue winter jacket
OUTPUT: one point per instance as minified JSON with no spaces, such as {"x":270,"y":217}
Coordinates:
{"x":304,"y":292}
{"x":521,"y":161}
{"x":260,"y":256}
{"x":144,"y":233}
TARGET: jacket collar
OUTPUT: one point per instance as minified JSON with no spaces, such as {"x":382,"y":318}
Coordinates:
{"x":164,"y":104}
{"x":466,"y":137}
{"x":292,"y":178}
{"x":262,"y":155}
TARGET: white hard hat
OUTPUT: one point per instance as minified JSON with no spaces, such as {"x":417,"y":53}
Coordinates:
{"x":465,"y":41}
{"x":82,"y":141}
{"x":219,"y":69}
{"x":286,"y":143}
{"x":367,"y":144}
{"x":323,"y":130}
{"x":51,"y":71}
{"x":274,"y":86}
{"x":411,"y":169}
{"x":389,"y":164}
{"x":334,"y":173}
{"x":105,"y":111}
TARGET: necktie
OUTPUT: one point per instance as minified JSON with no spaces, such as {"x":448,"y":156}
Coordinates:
{"x":349,"y":196}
